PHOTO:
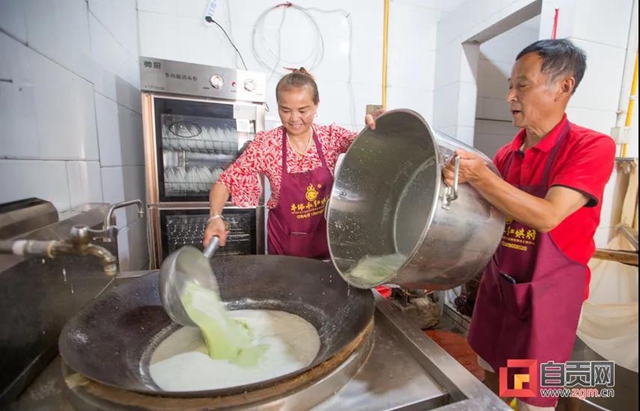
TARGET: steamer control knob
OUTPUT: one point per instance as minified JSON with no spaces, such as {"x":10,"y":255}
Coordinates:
{"x":249,"y":85}
{"x":216,"y":81}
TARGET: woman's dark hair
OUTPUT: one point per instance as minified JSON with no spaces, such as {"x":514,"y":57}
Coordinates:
{"x":296,"y":79}
{"x":559,"y":58}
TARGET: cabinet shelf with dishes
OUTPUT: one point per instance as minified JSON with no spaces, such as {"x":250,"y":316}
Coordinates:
{"x":204,"y":135}
{"x":189,"y":180}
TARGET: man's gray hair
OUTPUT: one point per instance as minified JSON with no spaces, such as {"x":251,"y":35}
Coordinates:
{"x":559,"y":58}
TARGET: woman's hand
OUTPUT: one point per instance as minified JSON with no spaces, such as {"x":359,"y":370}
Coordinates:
{"x":370,"y":119}
{"x":218,"y":227}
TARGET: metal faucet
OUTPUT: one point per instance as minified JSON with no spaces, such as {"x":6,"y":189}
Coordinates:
{"x":109,"y":227}
{"x":79,"y":242}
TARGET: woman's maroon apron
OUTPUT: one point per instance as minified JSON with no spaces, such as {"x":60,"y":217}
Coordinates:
{"x":297,"y":226}
{"x":530,"y":296}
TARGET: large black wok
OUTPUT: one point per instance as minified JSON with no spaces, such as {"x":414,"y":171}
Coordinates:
{"x":111,"y":339}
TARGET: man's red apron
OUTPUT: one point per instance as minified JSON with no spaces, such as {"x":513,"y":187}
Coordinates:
{"x":537,"y":316}
{"x":297,"y":226}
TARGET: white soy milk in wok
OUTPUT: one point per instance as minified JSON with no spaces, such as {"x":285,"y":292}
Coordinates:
{"x":181,"y":363}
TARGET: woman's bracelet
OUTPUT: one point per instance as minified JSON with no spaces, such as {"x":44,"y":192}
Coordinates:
{"x":213,"y":217}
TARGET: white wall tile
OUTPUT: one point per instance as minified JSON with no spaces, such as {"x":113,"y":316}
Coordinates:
{"x":21,"y":179}
{"x":111,"y":55}
{"x":119,"y":134}
{"x":202,"y":44}
{"x":492,"y":135}
{"x":123,"y":184}
{"x":429,"y":16}
{"x":113,"y":187}
{"x":505,"y":47}
{"x":418,"y":100}
{"x":133,"y":252}
{"x":496,"y":60}
{"x":506,"y":3}
{"x":16,"y":68}
{"x":448,"y":63}
{"x":196,"y":8}
{"x":158,"y":35}
{"x":600,"y":87}
{"x":445,"y":106}
{"x":65,"y":112}
{"x":495,"y":108}
{"x":465,"y":134}
{"x":418,"y":29}
{"x":496,"y":127}
{"x":450,"y":28}
{"x":566,"y":20}
{"x":493,"y":78}
{"x":469,"y":62}
{"x":85,"y":182}
{"x":489,"y":144}
{"x":13,"y":20}
{"x":121,"y":20}
{"x":516,"y":13}
{"x":59,"y":29}
{"x":116,"y":73}
{"x":443,"y":5}
{"x":467,"y":97}
{"x":599,"y":120}
{"x":335,"y":106}
{"x":449,"y":131}
{"x":408,"y":70}
{"x":613,"y":19}
{"x":367,"y":47}
{"x":480,"y":107}
{"x":158,"y":6}
{"x":117,"y":89}
{"x":335,"y":64}
{"x":18,"y":134}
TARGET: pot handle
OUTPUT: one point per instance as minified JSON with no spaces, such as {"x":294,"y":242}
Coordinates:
{"x":451,"y":194}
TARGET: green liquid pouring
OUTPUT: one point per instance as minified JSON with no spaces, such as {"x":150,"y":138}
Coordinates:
{"x":225,"y":337}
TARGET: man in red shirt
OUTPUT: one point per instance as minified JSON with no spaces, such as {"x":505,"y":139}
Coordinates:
{"x":554,"y":173}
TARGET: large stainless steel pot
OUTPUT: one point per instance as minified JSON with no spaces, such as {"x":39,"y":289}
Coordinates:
{"x":389,"y":201}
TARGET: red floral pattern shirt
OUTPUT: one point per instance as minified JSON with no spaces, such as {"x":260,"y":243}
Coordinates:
{"x":264,"y":156}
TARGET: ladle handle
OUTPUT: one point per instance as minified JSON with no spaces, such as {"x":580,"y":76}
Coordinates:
{"x":212,"y":247}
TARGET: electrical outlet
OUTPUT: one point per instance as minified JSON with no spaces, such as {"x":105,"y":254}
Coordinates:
{"x":621,"y":135}
{"x":209,"y":15}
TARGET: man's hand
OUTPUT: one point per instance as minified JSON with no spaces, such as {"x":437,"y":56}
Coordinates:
{"x":370,"y":119}
{"x":541,"y":214}
{"x":472,"y":168}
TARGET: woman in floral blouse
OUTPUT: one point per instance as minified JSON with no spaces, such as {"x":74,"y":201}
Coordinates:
{"x":298,"y":159}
